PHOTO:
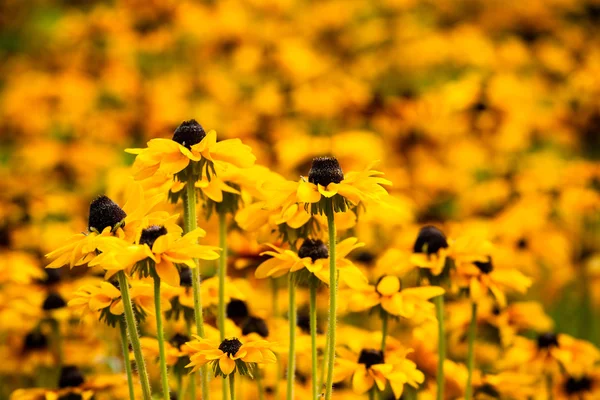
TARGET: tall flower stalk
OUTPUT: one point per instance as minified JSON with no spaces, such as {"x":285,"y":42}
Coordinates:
{"x":126,"y":362}
{"x":333,"y":287}
{"x":160,"y":337}
{"x":313,"y":337}
{"x":439,"y":307}
{"x":133,"y":336}
{"x":191,"y":223}
{"x":292,"y":345}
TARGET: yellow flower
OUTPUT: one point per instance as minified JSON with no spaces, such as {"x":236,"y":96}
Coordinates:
{"x":107,"y":219}
{"x":165,"y":249}
{"x":326,"y":180}
{"x":229,"y":355}
{"x":393,"y":299}
{"x":190,"y":144}
{"x":369,"y":369}
{"x":475,"y":271}
{"x":313,"y":258}
{"x":430,"y":250}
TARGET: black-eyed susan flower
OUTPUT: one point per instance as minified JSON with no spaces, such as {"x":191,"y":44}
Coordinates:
{"x":327,"y":184}
{"x":229,"y":356}
{"x":430,"y":250}
{"x":190,"y":145}
{"x":312,"y":260}
{"x":393,"y":299}
{"x":369,"y":371}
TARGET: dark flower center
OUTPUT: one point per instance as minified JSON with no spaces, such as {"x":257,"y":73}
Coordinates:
{"x":365,"y":257}
{"x":70,"y":396}
{"x":230,"y":346}
{"x":185,"y":277}
{"x":237,"y":311}
{"x":578,"y":385}
{"x":189,"y":133}
{"x":522,"y":244}
{"x":325,"y":170}
{"x":486,"y":266}
{"x":255,"y":325}
{"x":547,"y":340}
{"x":35,"y":341}
{"x":104,"y":213}
{"x":370,"y":357}
{"x":70,"y":376}
{"x":315,"y":249}
{"x":53,"y":302}
{"x":53,"y":275}
{"x":487,"y":389}
{"x":151,"y":233}
{"x":179,"y":340}
{"x":430,"y":240}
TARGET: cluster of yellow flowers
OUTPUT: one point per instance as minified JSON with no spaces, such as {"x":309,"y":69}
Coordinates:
{"x":402,"y":200}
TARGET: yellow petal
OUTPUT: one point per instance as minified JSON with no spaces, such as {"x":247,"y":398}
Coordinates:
{"x":308,"y":192}
{"x":226,"y":364}
{"x":362,"y":381}
{"x":167,"y":272}
{"x":389,"y":285}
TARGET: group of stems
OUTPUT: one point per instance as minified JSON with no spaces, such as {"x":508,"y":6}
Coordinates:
{"x":134,"y":337}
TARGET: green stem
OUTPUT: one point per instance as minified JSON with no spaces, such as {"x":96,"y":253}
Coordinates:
{"x":439,"y":307}
{"x":325,"y":358}
{"x":549,"y":384}
{"x":259,"y":385}
{"x":179,"y":386}
{"x":231,"y":386}
{"x":313,"y":336}
{"x":190,"y":223}
{"x":471,"y":351}
{"x":372,"y":394}
{"x":160,"y":336}
{"x":275,"y":301}
{"x":222,"y":275}
{"x":332,"y":304}
{"x":192,"y":384}
{"x":126,"y":362}
{"x":134,"y":338}
{"x":222,"y":272}
{"x":384,"y":330}
{"x":292,"y":349}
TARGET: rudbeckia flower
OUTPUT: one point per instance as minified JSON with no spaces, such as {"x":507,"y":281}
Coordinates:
{"x":430,"y":251}
{"x":230,"y":355}
{"x":190,"y":145}
{"x":369,"y":370}
{"x":107,"y":219}
{"x":165,"y":249}
{"x":393,"y":299}
{"x":326,"y":180}
{"x":313,"y":259}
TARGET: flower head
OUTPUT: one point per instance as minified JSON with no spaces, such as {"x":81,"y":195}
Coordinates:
{"x":230,"y":355}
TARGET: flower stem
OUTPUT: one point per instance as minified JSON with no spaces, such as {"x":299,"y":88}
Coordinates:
{"x":439,"y":307}
{"x":275,"y":312}
{"x":126,"y":362}
{"x":471,"y":351}
{"x":192,"y":384}
{"x":222,"y":275}
{"x":313,"y":336}
{"x":160,"y":335}
{"x":190,"y":223}
{"x":332,"y":305}
{"x":292,"y":349}
{"x":222,"y":272}
{"x":384,"y":330}
{"x":232,"y":386}
{"x":133,"y":336}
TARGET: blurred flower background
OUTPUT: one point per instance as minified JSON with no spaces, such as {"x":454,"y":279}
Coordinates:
{"x":484,"y":114}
